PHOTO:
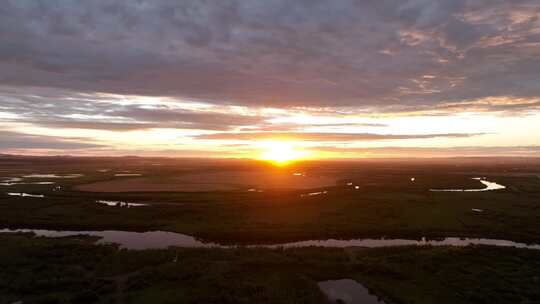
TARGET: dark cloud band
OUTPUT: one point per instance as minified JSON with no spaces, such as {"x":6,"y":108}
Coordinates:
{"x":14,"y":140}
{"x":277,"y":53}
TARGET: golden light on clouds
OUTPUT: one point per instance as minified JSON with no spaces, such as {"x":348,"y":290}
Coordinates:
{"x":448,"y":76}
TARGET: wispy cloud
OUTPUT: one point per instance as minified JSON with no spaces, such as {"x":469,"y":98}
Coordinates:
{"x":14,"y":140}
{"x":65,"y":109}
{"x":320,"y":137}
{"x":396,"y":151}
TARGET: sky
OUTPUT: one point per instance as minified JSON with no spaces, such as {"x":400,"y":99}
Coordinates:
{"x":329,"y":79}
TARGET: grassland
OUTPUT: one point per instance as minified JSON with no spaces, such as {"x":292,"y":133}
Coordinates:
{"x":73,"y":270}
{"x":387,"y":202}
{"x":240,"y":180}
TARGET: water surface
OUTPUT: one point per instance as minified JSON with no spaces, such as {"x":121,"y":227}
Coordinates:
{"x":127,"y":174}
{"x":37,"y":175}
{"x":348,"y":291}
{"x":490,"y":186}
{"x":164,"y":239}
{"x":314,"y":193}
{"x":120,"y":204}
{"x":22,"y":194}
{"x":234,"y":180}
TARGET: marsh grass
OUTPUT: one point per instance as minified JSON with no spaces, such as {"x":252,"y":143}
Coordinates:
{"x":74,"y":270}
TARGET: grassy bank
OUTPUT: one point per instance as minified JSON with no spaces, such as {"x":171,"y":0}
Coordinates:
{"x":386,"y":203}
{"x":73,"y":270}
{"x":282,"y":216}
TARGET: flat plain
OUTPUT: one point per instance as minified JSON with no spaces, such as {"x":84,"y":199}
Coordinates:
{"x":266,"y":205}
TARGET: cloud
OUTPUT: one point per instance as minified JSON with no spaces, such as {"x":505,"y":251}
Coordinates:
{"x":205,"y":120}
{"x":14,"y":140}
{"x":252,"y":70}
{"x":321,"y":137}
{"x":277,"y":53}
{"x":56,"y":108}
{"x":95,"y":125}
{"x":390,"y":151}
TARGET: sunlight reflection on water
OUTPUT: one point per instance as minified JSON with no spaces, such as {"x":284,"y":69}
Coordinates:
{"x":490,"y":186}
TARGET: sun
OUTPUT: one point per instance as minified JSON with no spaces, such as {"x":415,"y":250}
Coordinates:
{"x":281,"y":153}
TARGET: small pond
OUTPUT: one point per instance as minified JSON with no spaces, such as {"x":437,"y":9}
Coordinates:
{"x":348,"y":291}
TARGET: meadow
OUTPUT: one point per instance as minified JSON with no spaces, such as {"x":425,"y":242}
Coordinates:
{"x":369,"y":199}
{"x":359,"y":199}
{"x":74,"y":270}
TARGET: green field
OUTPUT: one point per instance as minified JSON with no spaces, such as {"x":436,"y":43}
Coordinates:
{"x":73,"y":270}
{"x":387,"y":203}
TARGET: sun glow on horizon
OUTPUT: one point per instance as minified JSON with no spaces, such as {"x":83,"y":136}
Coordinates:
{"x":281,"y":153}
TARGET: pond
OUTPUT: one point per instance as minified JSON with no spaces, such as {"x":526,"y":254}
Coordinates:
{"x":348,"y":291}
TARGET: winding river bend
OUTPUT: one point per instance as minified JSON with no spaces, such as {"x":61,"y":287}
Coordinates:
{"x":165,"y":239}
{"x":489,"y":186}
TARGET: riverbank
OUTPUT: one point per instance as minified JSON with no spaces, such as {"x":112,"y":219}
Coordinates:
{"x":73,"y":269}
